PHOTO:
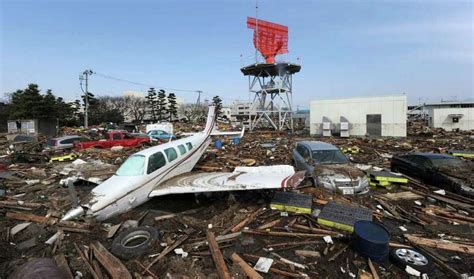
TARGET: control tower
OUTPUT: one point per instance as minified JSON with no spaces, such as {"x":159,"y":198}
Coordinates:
{"x":271,"y":82}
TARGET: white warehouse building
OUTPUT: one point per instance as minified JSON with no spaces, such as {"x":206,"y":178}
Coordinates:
{"x":450,"y":115}
{"x":374,"y":116}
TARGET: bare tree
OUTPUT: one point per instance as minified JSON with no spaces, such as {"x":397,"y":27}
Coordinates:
{"x":136,"y":108}
{"x":130,"y":107}
{"x":192,"y":112}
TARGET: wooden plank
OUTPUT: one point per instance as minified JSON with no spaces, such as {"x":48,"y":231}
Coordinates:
{"x":62,"y":264}
{"x":98,"y":270}
{"x":86,"y":262}
{"x":219,"y":262}
{"x":247,"y":220}
{"x":114,"y":266}
{"x":375,"y":275}
{"x":269,"y":224}
{"x":284,"y":234}
{"x":316,"y":230}
{"x":438,"y":243}
{"x":406,"y":195}
{"x":166,"y":251}
{"x":30,"y":217}
{"x":246,"y":268}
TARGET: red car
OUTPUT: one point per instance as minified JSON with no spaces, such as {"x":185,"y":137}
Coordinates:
{"x":114,"y":139}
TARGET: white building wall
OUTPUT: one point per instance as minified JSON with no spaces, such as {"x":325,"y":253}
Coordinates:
{"x":393,"y":110}
{"x":439,"y":118}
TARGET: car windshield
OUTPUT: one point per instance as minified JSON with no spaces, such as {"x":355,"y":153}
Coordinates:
{"x":133,"y":166}
{"x":446,"y":162}
{"x":329,"y":157}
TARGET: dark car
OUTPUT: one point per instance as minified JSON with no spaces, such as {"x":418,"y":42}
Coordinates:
{"x":327,"y":166}
{"x":440,"y":170}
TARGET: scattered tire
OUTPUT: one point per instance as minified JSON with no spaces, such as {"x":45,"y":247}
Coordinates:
{"x":134,"y":242}
{"x":411,"y":257}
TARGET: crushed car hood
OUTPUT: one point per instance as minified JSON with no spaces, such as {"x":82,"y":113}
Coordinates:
{"x":339,"y":170}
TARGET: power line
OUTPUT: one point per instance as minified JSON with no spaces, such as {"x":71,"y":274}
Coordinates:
{"x":143,"y":84}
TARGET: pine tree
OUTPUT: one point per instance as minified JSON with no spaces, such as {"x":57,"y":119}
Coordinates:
{"x":172,"y":106}
{"x":152,"y":103}
{"x":161,"y":106}
{"x":217,"y":102}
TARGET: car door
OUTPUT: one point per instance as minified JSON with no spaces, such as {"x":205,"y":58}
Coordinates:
{"x":298,"y":157}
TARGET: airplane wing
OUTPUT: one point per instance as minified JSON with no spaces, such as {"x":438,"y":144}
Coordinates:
{"x":243,"y":178}
{"x":216,"y":132}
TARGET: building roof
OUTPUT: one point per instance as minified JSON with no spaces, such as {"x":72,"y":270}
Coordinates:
{"x":449,"y":103}
{"x":318,"y":145}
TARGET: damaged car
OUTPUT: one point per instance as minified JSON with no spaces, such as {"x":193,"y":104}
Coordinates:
{"x":327,"y":166}
{"x":440,"y":170}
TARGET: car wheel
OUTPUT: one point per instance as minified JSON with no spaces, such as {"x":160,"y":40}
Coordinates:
{"x":134,"y":242}
{"x":403,"y":257}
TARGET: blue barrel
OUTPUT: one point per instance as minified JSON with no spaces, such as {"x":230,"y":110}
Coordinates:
{"x":235,"y":140}
{"x":218,"y":144}
{"x":371,"y":241}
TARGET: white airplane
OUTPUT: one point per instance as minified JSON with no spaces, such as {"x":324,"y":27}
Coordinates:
{"x":165,"y":169}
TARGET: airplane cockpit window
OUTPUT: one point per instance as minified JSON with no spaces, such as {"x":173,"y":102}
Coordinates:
{"x":156,"y":161}
{"x":133,"y":166}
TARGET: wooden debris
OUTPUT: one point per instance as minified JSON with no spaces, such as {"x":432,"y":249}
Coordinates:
{"x":114,"y":266}
{"x":219,"y":262}
{"x":247,"y":269}
{"x":293,"y":243}
{"x":164,"y":217}
{"x":362,"y":274}
{"x":219,"y":239}
{"x":247,"y":220}
{"x":316,"y":230}
{"x":62,"y":264}
{"x":406,"y":195}
{"x":269,"y":224}
{"x":284,"y":234}
{"x":98,"y":270}
{"x":113,"y":230}
{"x":437,"y":243}
{"x":338,"y":253}
{"x":18,"y":228}
{"x":86,"y":261}
{"x":307,"y":253}
{"x":166,"y":251}
{"x":287,"y":261}
{"x":440,"y":262}
{"x":373,"y":270}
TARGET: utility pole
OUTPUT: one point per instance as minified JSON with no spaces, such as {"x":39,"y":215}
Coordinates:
{"x":85,"y":76}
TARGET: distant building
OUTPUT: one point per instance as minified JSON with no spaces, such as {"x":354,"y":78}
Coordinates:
{"x":240,"y":111}
{"x":373,"y":116}
{"x":450,"y":115}
{"x":226,"y":112}
{"x":301,"y":118}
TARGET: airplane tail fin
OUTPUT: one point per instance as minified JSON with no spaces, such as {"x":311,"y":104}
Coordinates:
{"x":211,"y":117}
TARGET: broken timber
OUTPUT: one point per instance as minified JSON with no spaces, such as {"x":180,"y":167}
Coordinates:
{"x":114,"y":266}
{"x":435,"y":243}
{"x":222,"y":269}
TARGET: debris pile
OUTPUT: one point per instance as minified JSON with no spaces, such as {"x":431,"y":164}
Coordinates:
{"x":310,"y":234}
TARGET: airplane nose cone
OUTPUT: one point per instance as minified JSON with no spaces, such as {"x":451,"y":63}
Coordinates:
{"x":73,"y":213}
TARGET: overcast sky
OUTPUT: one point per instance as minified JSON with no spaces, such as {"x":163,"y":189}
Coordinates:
{"x":424,"y":49}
